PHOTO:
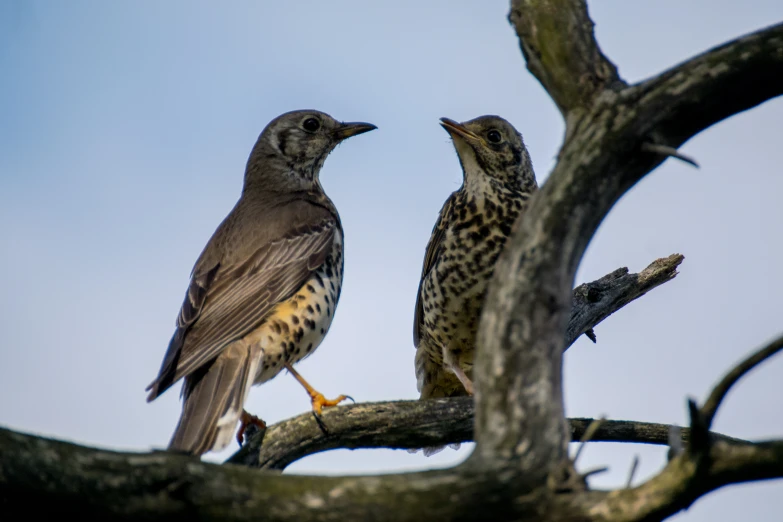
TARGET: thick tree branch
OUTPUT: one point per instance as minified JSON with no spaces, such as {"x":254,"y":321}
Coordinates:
{"x":710,"y":87}
{"x":557,"y":41}
{"x":52,"y":478}
{"x":60,"y":479}
{"x":518,"y":368}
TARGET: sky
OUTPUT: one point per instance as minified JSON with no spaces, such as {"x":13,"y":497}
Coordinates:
{"x":124,"y":132}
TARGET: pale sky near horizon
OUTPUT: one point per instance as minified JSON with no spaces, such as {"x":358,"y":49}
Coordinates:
{"x":124,"y":131}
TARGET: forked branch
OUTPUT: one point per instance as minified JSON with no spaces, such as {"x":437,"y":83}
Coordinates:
{"x":706,"y":466}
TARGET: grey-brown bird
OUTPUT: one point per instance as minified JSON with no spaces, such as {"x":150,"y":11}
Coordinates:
{"x":467,"y":239}
{"x":264,"y":290}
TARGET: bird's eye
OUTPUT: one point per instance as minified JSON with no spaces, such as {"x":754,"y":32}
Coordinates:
{"x":494,"y":136}
{"x":311,"y":125}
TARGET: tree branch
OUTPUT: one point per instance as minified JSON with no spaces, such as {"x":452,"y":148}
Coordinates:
{"x":61,"y":479}
{"x":411,"y":425}
{"x":58,"y":479}
{"x":709,"y":464}
{"x":518,"y":367}
{"x":433,"y":423}
{"x":710,"y":87}
{"x":594,"y":302}
{"x":720,"y":391}
{"x":558,"y":43}
{"x":675,"y":489}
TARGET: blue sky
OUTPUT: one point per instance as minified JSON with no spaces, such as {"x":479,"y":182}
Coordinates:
{"x":124,"y":131}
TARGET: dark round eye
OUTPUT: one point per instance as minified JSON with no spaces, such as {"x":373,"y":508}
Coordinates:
{"x":311,"y":125}
{"x":494,"y":136}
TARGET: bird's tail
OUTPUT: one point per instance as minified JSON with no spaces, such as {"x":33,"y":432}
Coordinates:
{"x":213,"y":401}
{"x":435,"y":382}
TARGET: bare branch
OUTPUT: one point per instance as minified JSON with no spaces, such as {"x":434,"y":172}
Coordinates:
{"x":675,"y":489}
{"x":557,"y":41}
{"x":710,"y":87}
{"x":398,"y":424}
{"x":670,"y":152}
{"x":708,"y":464}
{"x":411,"y":425}
{"x":632,"y":471}
{"x":518,"y":367}
{"x":63,"y":479}
{"x":720,"y":391}
{"x":594,"y":302}
{"x":588,"y":435}
{"x":638,"y":432}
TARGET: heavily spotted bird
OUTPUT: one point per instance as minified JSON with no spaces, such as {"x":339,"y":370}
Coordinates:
{"x":264,"y":290}
{"x":468,"y":236}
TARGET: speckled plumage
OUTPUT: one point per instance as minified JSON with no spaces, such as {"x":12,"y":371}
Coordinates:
{"x":264,"y":289}
{"x":470,"y":232}
{"x":295,"y":327}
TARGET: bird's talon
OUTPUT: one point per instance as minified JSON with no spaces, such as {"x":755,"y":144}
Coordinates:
{"x":320,"y":402}
{"x":244,"y":421}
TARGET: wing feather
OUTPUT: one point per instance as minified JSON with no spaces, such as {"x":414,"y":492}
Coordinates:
{"x":226,"y":302}
{"x":434,"y":247}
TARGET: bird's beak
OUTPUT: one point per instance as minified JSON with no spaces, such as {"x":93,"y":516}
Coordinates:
{"x":459,"y":130}
{"x":346,"y":130}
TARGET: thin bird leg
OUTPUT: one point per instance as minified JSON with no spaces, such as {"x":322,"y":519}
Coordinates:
{"x":317,"y":398}
{"x":246,"y":420}
{"x":464,"y":379}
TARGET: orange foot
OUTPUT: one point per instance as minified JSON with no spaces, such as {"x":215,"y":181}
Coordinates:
{"x":244,"y":421}
{"x":320,"y":402}
{"x":317,"y":398}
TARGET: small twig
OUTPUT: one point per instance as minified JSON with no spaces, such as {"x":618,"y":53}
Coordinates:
{"x":700,"y":440}
{"x":676,"y":446}
{"x":718,"y":393}
{"x":594,"y":471}
{"x":588,"y":434}
{"x":631,"y":473}
{"x":665,"y":150}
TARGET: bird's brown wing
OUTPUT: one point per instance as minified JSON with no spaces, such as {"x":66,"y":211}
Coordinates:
{"x":433,"y":251}
{"x":226,"y":302}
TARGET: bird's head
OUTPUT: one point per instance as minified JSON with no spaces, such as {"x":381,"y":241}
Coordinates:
{"x":491,"y":146}
{"x":292,"y":148}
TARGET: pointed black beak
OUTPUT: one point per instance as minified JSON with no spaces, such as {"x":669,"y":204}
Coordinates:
{"x":346,"y":130}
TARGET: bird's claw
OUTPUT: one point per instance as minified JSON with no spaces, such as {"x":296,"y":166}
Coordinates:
{"x":320,"y":402}
{"x":246,"y":420}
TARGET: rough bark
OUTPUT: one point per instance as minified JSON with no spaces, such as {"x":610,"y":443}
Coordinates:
{"x":519,"y":418}
{"x":412,"y":425}
{"x":593,"y":302}
{"x":46,"y":477}
{"x":556,"y":38}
